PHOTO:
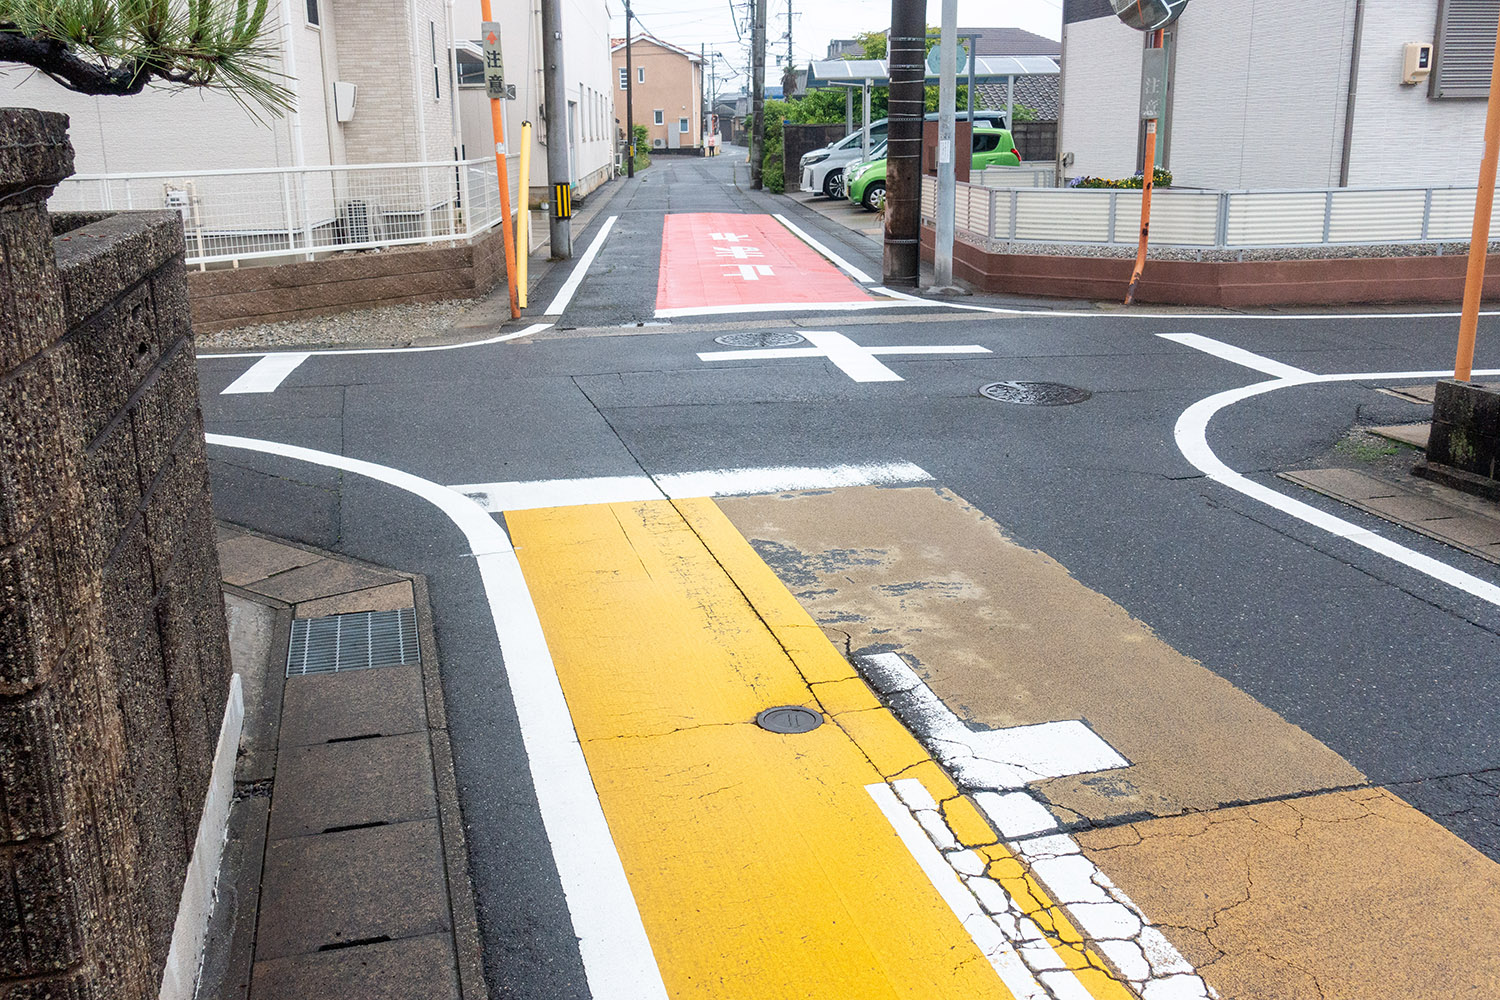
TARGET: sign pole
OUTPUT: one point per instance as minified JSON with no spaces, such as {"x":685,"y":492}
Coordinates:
{"x":1479,"y":242}
{"x":1153,"y":93}
{"x":947,"y":152}
{"x":494,"y":82}
{"x":523,"y":217}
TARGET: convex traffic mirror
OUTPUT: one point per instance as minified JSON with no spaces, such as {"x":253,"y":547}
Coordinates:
{"x":1148,"y":15}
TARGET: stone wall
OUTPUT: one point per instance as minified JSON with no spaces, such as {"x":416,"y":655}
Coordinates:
{"x":1036,"y":141}
{"x":114,"y":665}
{"x":797,"y":140}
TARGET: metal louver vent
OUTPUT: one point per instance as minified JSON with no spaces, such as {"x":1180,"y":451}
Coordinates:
{"x":1465,"y":48}
{"x":352,"y":642}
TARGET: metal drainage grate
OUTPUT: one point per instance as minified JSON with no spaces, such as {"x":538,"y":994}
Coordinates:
{"x":790,"y":719}
{"x":770,"y":339}
{"x":356,"y":641}
{"x":1034,"y":393}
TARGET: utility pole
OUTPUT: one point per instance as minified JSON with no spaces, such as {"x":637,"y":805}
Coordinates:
{"x":629,"y":105}
{"x":947,"y":182}
{"x":556,"y":100}
{"x":758,"y":95}
{"x":903,"y":196}
{"x":791,"y":62}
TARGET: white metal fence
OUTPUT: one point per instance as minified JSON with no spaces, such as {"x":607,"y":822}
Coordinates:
{"x":233,"y":215}
{"x":1211,"y":220}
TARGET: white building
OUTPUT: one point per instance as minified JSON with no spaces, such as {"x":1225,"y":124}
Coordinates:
{"x":1258,"y":93}
{"x":373,"y":83}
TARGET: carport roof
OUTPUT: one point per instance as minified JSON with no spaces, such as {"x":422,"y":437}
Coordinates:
{"x":987,"y":69}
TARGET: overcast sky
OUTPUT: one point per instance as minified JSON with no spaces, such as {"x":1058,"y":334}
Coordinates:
{"x":689,"y":23}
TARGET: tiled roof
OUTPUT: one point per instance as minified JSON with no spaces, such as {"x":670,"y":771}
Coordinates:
{"x":1039,"y":93}
{"x":1012,"y":42}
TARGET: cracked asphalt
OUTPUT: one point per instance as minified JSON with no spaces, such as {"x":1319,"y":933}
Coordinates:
{"x":1311,"y":806}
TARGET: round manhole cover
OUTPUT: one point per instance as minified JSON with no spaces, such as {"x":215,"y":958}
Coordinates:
{"x":1035,"y":393}
{"x":789,"y":719}
{"x":773,"y":338}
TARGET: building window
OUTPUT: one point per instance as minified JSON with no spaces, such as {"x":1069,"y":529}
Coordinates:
{"x":1465,"y":48}
{"x":312,"y":13}
{"x":682,"y":125}
{"x":661,"y":117}
{"x":624,"y":80}
{"x":470,"y":70}
{"x":640,"y":74}
{"x":437,"y":75}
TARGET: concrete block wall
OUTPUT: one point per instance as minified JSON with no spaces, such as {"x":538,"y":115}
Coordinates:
{"x":114,"y":665}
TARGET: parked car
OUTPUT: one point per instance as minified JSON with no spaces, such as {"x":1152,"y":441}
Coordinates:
{"x":822,"y":170}
{"x":991,"y":147}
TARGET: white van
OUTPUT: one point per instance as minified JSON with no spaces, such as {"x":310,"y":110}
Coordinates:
{"x":823,"y":169}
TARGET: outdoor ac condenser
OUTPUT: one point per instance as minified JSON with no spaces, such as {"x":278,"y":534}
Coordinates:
{"x":357,"y":220}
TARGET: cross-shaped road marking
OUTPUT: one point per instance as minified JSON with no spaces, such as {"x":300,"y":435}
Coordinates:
{"x":853,"y":360}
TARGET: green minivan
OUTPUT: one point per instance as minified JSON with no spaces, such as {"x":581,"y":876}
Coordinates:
{"x":865,"y":182}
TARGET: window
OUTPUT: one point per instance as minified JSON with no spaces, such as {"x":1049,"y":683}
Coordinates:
{"x":1465,"y":48}
{"x":661,"y":117}
{"x":470,"y":69}
{"x":640,"y":74}
{"x":624,"y":80}
{"x":682,"y":125}
{"x":985,"y":142}
{"x":312,"y":13}
{"x":437,"y":75}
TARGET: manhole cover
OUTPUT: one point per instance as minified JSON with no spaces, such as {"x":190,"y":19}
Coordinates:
{"x":1035,"y":393}
{"x":789,"y":719}
{"x":770,"y":339}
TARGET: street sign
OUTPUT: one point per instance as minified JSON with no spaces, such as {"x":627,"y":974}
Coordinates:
{"x":494,"y":62}
{"x":962,"y":54}
{"x":1153,"y":83}
{"x":1148,"y":15}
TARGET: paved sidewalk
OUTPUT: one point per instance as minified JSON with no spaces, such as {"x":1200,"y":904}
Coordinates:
{"x":346,"y":872}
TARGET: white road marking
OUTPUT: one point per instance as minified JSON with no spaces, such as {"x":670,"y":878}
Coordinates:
{"x":838,"y":261}
{"x":1191,"y":434}
{"x":765,"y":307}
{"x":498,"y":497}
{"x":985,"y":934}
{"x":502,"y":338}
{"x":612,"y":941}
{"x":267,"y":373}
{"x":850,"y":358}
{"x":1236,"y":355}
{"x":993,"y":759}
{"x":566,"y":292}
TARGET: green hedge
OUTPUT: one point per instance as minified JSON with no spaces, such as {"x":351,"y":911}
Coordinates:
{"x":1163,"y":178}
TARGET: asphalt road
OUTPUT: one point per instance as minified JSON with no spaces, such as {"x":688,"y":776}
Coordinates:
{"x":1387,"y":666}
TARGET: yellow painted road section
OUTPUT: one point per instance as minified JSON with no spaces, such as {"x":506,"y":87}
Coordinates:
{"x":761,"y":866}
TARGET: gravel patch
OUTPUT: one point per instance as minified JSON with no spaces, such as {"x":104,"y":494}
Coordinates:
{"x":385,"y":326}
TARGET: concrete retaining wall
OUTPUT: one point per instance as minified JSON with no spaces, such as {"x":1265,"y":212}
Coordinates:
{"x":227,"y":298}
{"x":114,"y":663}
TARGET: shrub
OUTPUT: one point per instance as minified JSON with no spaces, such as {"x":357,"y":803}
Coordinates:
{"x":1162,"y":178}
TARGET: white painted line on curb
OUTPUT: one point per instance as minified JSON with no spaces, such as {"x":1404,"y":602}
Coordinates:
{"x":612,"y":941}
{"x":266,"y":374}
{"x":498,"y":497}
{"x":333,"y":352}
{"x":838,"y":261}
{"x":1191,"y":433}
{"x":565,"y":294}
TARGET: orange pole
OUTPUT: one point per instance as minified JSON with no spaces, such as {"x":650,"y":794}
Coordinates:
{"x":1148,"y":182}
{"x":497,"y":122}
{"x":1479,"y":241}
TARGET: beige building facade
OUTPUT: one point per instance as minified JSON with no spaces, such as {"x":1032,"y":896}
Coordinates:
{"x":668,"y":92}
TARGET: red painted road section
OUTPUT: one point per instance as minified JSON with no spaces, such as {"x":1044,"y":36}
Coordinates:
{"x":719,"y":260}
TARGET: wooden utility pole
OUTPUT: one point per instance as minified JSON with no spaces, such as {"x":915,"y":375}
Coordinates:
{"x":555,"y":96}
{"x":629,"y":104}
{"x":1479,"y":241}
{"x":758,"y":95}
{"x":905,"y":52}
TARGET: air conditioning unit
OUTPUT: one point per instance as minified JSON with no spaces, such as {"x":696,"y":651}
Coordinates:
{"x":358,"y":221}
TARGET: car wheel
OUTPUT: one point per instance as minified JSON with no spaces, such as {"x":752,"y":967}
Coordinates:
{"x":874,"y":199}
{"x":833,"y":184}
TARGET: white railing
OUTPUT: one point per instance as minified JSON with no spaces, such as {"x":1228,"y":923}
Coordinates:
{"x":234,"y":215}
{"x":1211,"y":220}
